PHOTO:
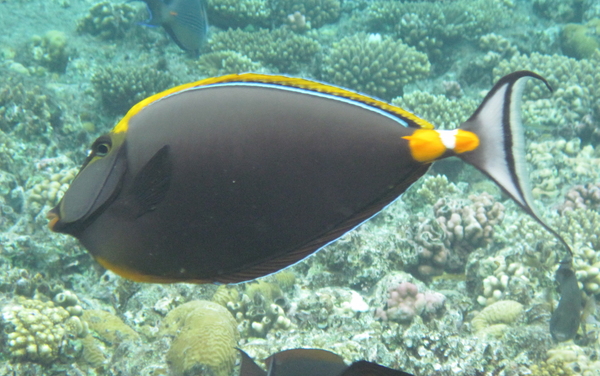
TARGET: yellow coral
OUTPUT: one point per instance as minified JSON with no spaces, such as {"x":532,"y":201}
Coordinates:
{"x":502,"y":312}
{"x":109,"y":327}
{"x":225,"y":294}
{"x":205,"y":338}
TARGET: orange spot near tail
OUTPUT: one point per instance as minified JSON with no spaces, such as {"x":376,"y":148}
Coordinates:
{"x":425,"y":145}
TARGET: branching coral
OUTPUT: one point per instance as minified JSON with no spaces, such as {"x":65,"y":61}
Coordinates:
{"x":107,"y":20}
{"x":374,"y":65}
{"x":317,"y":12}
{"x":120,"y":88}
{"x":405,"y":302}
{"x":441,"y":111}
{"x":281,"y":48}
{"x":576,"y":84}
{"x":239,"y":14}
{"x":225,"y":62}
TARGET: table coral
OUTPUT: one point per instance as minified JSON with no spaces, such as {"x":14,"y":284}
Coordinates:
{"x":405,"y":302}
{"x":281,"y":48}
{"x":107,"y":20}
{"x":374,"y":65}
{"x":205,"y":337}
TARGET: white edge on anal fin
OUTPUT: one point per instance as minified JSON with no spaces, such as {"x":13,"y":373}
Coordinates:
{"x":501,"y":152}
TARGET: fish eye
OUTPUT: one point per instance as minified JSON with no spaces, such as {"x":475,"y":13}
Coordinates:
{"x":101,"y":149}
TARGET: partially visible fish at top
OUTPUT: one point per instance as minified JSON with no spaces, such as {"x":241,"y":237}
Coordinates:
{"x":184,"y":20}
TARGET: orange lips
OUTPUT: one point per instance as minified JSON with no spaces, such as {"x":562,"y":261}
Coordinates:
{"x":53,"y":217}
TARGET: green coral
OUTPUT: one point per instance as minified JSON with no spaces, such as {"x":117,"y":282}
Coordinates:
{"x":281,"y":49}
{"x":108,"y":21}
{"x":49,"y":51}
{"x":317,"y":12}
{"x":122,"y":87}
{"x":40,"y":331}
{"x":239,"y":13}
{"x":581,"y":41}
{"x":225,"y":62}
{"x":374,"y":65}
{"x":442,"y":112}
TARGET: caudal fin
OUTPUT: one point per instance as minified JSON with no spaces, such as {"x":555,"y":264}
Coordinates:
{"x":501,"y":151}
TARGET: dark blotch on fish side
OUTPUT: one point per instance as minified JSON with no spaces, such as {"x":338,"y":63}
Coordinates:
{"x":566,"y":318}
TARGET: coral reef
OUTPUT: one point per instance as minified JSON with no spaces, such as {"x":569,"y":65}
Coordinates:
{"x":49,"y":191}
{"x":109,"y":327}
{"x":494,"y":319}
{"x":405,"y":302}
{"x":49,"y":51}
{"x":108,"y":21}
{"x":559,"y":10}
{"x":28,"y":111}
{"x":120,"y":88}
{"x":575,"y":83}
{"x":258,"y":310}
{"x":428,"y":25}
{"x":226,"y":62}
{"x":374,"y":64}
{"x":582,"y":196}
{"x":467,"y":227}
{"x":40,"y":331}
{"x":205,"y":337}
{"x":239,"y":14}
{"x":581,"y":41}
{"x":439,"y":110}
{"x":280,"y":49}
{"x":316,"y":12}
{"x":502,"y":279}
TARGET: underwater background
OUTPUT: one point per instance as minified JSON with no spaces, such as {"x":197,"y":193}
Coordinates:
{"x":451,"y":279}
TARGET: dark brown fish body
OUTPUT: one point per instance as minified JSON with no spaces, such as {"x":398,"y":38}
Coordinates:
{"x":248,"y":186}
{"x":232,"y":178}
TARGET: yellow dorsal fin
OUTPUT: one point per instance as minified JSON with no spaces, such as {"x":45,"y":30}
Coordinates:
{"x":300,"y":83}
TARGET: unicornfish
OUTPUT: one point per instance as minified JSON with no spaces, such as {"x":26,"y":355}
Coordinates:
{"x":235,"y":177}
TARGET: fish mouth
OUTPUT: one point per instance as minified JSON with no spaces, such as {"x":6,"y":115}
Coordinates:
{"x":53,"y":218}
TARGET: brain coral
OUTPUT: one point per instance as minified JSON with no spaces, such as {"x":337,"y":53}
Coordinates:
{"x":502,"y":312}
{"x":205,"y":338}
{"x":374,"y":65}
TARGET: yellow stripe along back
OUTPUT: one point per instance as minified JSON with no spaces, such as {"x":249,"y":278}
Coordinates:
{"x":277,"y":80}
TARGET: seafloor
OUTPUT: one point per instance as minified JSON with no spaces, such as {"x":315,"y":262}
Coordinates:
{"x":484,"y":271}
